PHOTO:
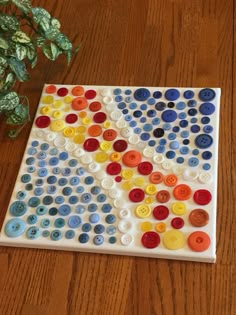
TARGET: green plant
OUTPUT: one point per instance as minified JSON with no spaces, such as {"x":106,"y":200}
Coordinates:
{"x":24,"y":29}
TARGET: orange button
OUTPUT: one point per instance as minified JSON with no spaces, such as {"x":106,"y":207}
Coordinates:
{"x":132,"y":158}
{"x":50,"y":89}
{"x":79,"y":103}
{"x":198,"y":217}
{"x":95,"y":106}
{"x":199,"y":241}
{"x":171,"y":180}
{"x":156,"y":177}
{"x":77,"y":90}
{"x":109,"y":134}
{"x":115,"y":156}
{"x":82,"y":114}
{"x":182,"y":192}
{"x":163,"y":196}
{"x":95,"y":130}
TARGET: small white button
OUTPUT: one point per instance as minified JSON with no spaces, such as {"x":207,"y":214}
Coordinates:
{"x":116,"y":115}
{"x":107,"y":183}
{"x":167,"y":165}
{"x":93,"y":167}
{"x":141,"y":145}
{"x":158,"y":158}
{"x":178,"y":170}
{"x":105,"y":92}
{"x":79,"y":152}
{"x":126,"y":132}
{"x":60,"y":142}
{"x":190,"y":174}
{"x":119,"y":203}
{"x":126,"y":239}
{"x":50,"y":136}
{"x":39,"y":133}
{"x":114,"y":193}
{"x":148,"y":152}
{"x":205,"y":178}
{"x":86,"y":159}
{"x":70,"y":147}
{"x":121,"y":124}
{"x":124,"y":213}
{"x":100,"y":175}
{"x":134,"y":139}
{"x":107,"y":100}
{"x":125,"y":226}
{"x":110,"y":107}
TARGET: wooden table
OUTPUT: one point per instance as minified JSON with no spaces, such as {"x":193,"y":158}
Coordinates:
{"x":131,"y":42}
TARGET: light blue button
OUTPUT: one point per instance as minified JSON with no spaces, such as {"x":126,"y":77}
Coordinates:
{"x":184,"y":150}
{"x":56,"y":235}
{"x":62,"y":181}
{"x":86,"y":227}
{"x":74,"y":180}
{"x":151,"y":101}
{"x":44,"y":146}
{"x":99,"y":229}
{"x":101,"y":198}
{"x":160,"y":149}
{"x":206,"y":166}
{"x":69,"y":234}
{"x":39,"y":182}
{"x":137,"y":130}
{"x":64,"y":210}
{"x":53,"y":161}
{"x":21,"y":195}
{"x":128,"y":92}
{"x":42,"y":163}
{"x":66,"y":171}
{"x":111,"y":230}
{"x":73,"y":163}
{"x":63,"y":156}
{"x":162,"y":141}
{"x":45,"y":223}
{"x":152,"y":143}
{"x":89,"y":180}
{"x":45,"y":233}
{"x":180,"y":160}
{"x":128,"y":117}
{"x":33,"y":233}
{"x":171,"y":136}
{"x":67,"y":191}
{"x":182,"y":115}
{"x":92,"y":207}
{"x":59,"y":223}
{"x":86,"y":198}
{"x":174,"y":145}
{"x":167,"y":126}
{"x":145,"y":136}
{"x":94,"y":218}
{"x":195,"y":152}
{"x":193,"y":161}
{"x":80,"y":189}
{"x":110,"y":219}
{"x":121,"y":105}
{"x":18,"y":208}
{"x":207,"y":129}
{"x":193,"y":120}
{"x":156,"y":121}
{"x":73,"y":200}
{"x":143,"y":119}
{"x":95,"y":190}
{"x":80,"y":171}
{"x":42,"y":155}
{"x":184,"y":134}
{"x":106,"y":208}
{"x":31,"y":151}
{"x":98,"y":240}
{"x":15,"y":227}
{"x":33,"y":202}
{"x":59,"y":200}
{"x":56,"y":170}
{"x":129,"y":99}
{"x":180,"y":106}
{"x":118,"y":98}
{"x":52,"y":189}
{"x":31,"y":169}
{"x":133,"y":123}
{"x":132,"y":106}
{"x":32,"y":219}
{"x":117,"y":91}
{"x":35,"y":143}
{"x":147,"y":127}
{"x":41,"y":210}
{"x":30,"y":161}
{"x":74,"y":221}
{"x":42,"y":172}
{"x":53,"y":151}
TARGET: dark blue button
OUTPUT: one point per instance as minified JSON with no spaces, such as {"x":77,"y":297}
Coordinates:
{"x":151,"y":101}
{"x":206,"y":155}
{"x":122,"y":105}
{"x":160,"y":149}
{"x":42,"y":155}
{"x":162,"y":141}
{"x":69,"y":234}
{"x":170,"y":154}
{"x":30,"y":161}
{"x":157,"y":94}
{"x":15,"y":227}
{"x":73,"y":200}
{"x":132,"y":105}
{"x":117,"y":91}
{"x":52,"y":189}
{"x":98,"y":240}
{"x":192,"y":112}
{"x":193,"y":120}
{"x":169,"y":115}
{"x":26,"y":178}
{"x":52,"y":211}
{"x":142,"y":94}
{"x":110,"y":219}
{"x":175,"y":129}
{"x":63,"y":156}
{"x":180,"y":160}
{"x":53,"y":161}
{"x":152,"y":143}
{"x":188,"y":94}
{"x":66,"y":171}
{"x":208,"y":129}
{"x":74,"y":221}
{"x":86,"y":198}
{"x":137,"y":113}
{"x":207,"y":109}
{"x":182,"y":115}
{"x":86,"y":227}
{"x":99,"y":229}
{"x":106,"y":208}
{"x":41,"y":210}
{"x":203,"y":141}
{"x":92,"y":207}
{"x":151,"y":113}
{"x":32,"y":219}
{"x":89,"y":180}
{"x":95,"y":190}
{"x":64,"y":210}
{"x":183,"y":123}
{"x":195,"y":151}
{"x":33,"y":232}
{"x":101,"y":198}
{"x":34,"y":202}
{"x":56,"y":235}
{"x":137,"y":131}
{"x":59,"y":223}
{"x":118,"y":99}
{"x":18,"y":208}
{"x":83,"y":238}
{"x":133,"y":123}
{"x":52,"y":179}
{"x":143,"y":107}
{"x":67,"y":191}
{"x":44,"y":146}
{"x":158,"y":132}
{"x":112,"y":240}
{"x":207,"y":95}
{"x":185,"y":141}
{"x":125,"y":111}
{"x":160,"y":106}
{"x":21,"y":195}
{"x":62,"y":181}
{"x":145,"y":136}
{"x":143,"y":119}
{"x":172,"y":94}
{"x":171,"y":104}
{"x":47,"y":200}
{"x":35,"y":143}
{"x":28,"y":187}
{"x":128,"y":92}
{"x":195,"y":128}
{"x":192,"y":103}
{"x":205,"y":120}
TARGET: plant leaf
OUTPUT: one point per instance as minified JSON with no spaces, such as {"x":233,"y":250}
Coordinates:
{"x":40,"y":41}
{"x":48,"y":52}
{"x":69,"y":55}
{"x":63,"y":42}
{"x":31,"y":51}
{"x":21,"y":51}
{"x":56,"y":51}
{"x":19,"y":116}
{"x":44,"y":23}
{"x":3,"y":61}
{"x":8,"y":22}
{"x":52,"y":33}
{"x":20,"y":37}
{"x":55,"y":23}
{"x":3,"y":2}
{"x":34,"y":61}
{"x":39,"y":13}
{"x":24,"y":5}
{"x":9,"y":101}
{"x":9,"y":82}
{"x":19,"y":68}
{"x":3,"y":43}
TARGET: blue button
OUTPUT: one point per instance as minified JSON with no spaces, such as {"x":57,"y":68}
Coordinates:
{"x":151,"y":101}
{"x":112,"y":240}
{"x":59,"y":223}
{"x":180,"y":105}
{"x":208,"y":129}
{"x":106,"y":208}
{"x":28,"y":187}
{"x":117,"y":91}
{"x":170,"y":154}
{"x":193,"y":161}
{"x":175,"y":129}
{"x":42,"y":155}
{"x":94,"y":218}
{"x":35,"y":143}
{"x":206,"y":166}
{"x":142,"y":94}
{"x":207,"y":95}
{"x":180,"y":160}
{"x":101,"y":198}
{"x":125,"y":111}
{"x":53,"y":161}
{"x":145,"y":136}
{"x":171,"y":104}
{"x":122,"y":105}
{"x":133,"y":123}
{"x":151,"y":113}
{"x":80,"y":189}
{"x":67,"y":191}
{"x":53,"y":211}
{"x":69,"y":234}
{"x":42,"y":172}
{"x":66,"y":171}
{"x":21,"y":195}
{"x":162,"y":141}
{"x":64,"y":210}
{"x":92,"y":207}
{"x":169,"y":115}
{"x":192,"y":112}
{"x":147,"y":127}
{"x":160,"y":106}
{"x":186,"y":141}
{"x":31,"y":169}
{"x":95,"y":190}
{"x":73,"y":200}
{"x":52,"y":189}
{"x":132,"y":105}
{"x":47,"y":200}
{"x":80,"y":171}
{"x":156,"y":121}
{"x":98,"y":240}
{"x":193,"y":120}
{"x":183,"y":123}
{"x":56,"y":170}
{"x":45,"y":223}
{"x":195,"y":128}
{"x":99,"y":229}
{"x":182,"y":115}
{"x":152,"y":143}
{"x":41,"y":210}
{"x":86,"y":198}
{"x":33,"y":232}
{"x":80,"y":209}
{"x":128,"y":99}
{"x":172,"y":94}
{"x":207,"y":109}
{"x":45,"y":233}
{"x":171,"y":136}
{"x":188,"y":94}
{"x":74,"y":221}
{"x":167,"y":126}
{"x":63,"y":156}
{"x":205,"y":120}
{"x":31,"y":151}
{"x":158,"y":133}
{"x":184,"y":150}
{"x":33,"y":202}
{"x":184,"y":134}
{"x":62,"y":181}
{"x":42,"y":163}
{"x":59,"y":200}
{"x":111,"y":230}
{"x":30,"y":161}
{"x":157,"y":94}
{"x":174,"y":145}
{"x":195,"y":152}
{"x":26,"y":178}
{"x":206,"y":155}
{"x":192,"y":103}
{"x":53,"y":151}
{"x":56,"y":235}
{"x":110,"y":219}
{"x":118,"y":99}
{"x":44,"y":146}
{"x":137,"y":113}
{"x":128,"y":92}
{"x":15,"y":227}
{"x":38,"y":191}
{"x":74,"y":181}
{"x":160,"y":149}
{"x":203,"y":141}
{"x":32,"y":219}
{"x":89,"y":180}
{"x":83,"y":238}
{"x":86,"y":227}
{"x":18,"y":208}
{"x":137,"y":130}
{"x":52,"y":179}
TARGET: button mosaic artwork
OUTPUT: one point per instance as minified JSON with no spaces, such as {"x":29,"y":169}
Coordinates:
{"x":120,"y":170}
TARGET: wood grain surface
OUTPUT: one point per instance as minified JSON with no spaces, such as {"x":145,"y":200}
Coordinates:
{"x":131,"y":42}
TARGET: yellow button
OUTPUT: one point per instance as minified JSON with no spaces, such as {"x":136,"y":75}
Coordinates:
{"x":58,"y":103}
{"x":81,"y":129}
{"x":143,"y":211}
{"x":69,"y":132}
{"x":86,"y":121}
{"x":79,"y":139}
{"x":57,"y":114}
{"x":107,"y":124}
{"x":46,"y":110}
{"x":68,"y":99}
{"x":173,"y":239}
{"x":179,"y":208}
{"x":151,"y":189}
{"x":57,"y":125}
{"x":160,"y":227}
{"x":149,"y":200}
{"x":115,"y":156}
{"x":48,"y":99}
{"x":127,"y":185}
{"x":139,"y":181}
{"x":101,"y":157}
{"x":146,"y":226}
{"x":127,"y":173}
{"x":67,"y":109}
{"x":106,"y":145}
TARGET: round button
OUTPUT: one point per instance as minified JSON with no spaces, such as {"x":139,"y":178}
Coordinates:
{"x":177,"y":223}
{"x":173,"y":239}
{"x":95,"y":130}
{"x":156,"y":177}
{"x":62,"y":91}
{"x":95,"y":106}
{"x":136,"y":195}
{"x":198,"y":217}
{"x":91,"y":144}
{"x":74,"y":221}
{"x":33,"y":232}
{"x":169,"y":115}
{"x":18,"y":208}
{"x":163,"y":196}
{"x":56,"y":235}
{"x":15,"y":227}
{"x":160,"y":227}
{"x":151,"y":189}
{"x":90,"y":94}
{"x":199,"y":241}
{"x":207,"y":95}
{"x":99,"y":117}
{"x":172,"y":94}
{"x":98,"y":240}
{"x":171,"y":180}
{"x":113,"y":168}
{"x":161,"y":212}
{"x":57,"y":125}
{"x":143,"y":211}
{"x":205,"y":178}
{"x":179,"y":208}
{"x":42,"y":121}
{"x":202,"y":197}
{"x":142,"y":94}
{"x":109,"y":134}
{"x":79,"y":103}
{"x":207,"y":109}
{"x":150,"y":239}
{"x":126,"y":239}
{"x":145,"y":168}
{"x":83,"y":238}
{"x":107,"y":183}
{"x":182,"y":192}
{"x":132,"y":158}
{"x":120,"y":145}
{"x":77,"y":90}
{"x":146,"y":226}
{"x":188,"y":94}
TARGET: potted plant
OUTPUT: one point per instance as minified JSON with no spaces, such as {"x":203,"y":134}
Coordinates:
{"x":23,"y":30}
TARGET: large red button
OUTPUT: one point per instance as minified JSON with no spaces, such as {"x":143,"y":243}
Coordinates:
{"x":91,"y":144}
{"x":113,"y":168}
{"x":100,"y":117}
{"x":42,"y":121}
{"x":161,"y":212}
{"x":202,"y":197}
{"x":90,"y":94}
{"x":136,"y":195}
{"x":71,"y":118}
{"x":62,"y":91}
{"x":120,"y":145}
{"x":150,"y":239}
{"x":177,"y":223}
{"x":145,"y":168}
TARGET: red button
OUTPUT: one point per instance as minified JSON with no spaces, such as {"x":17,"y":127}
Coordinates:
{"x":177,"y":223}
{"x":136,"y":195}
{"x":145,"y":168}
{"x":95,"y":106}
{"x":42,"y":121}
{"x":161,"y":212}
{"x":71,"y":118}
{"x":62,"y":92}
{"x":118,"y":179}
{"x":150,"y":239}
{"x":120,"y":145}
{"x":91,"y":145}
{"x":100,"y":117}
{"x":90,"y":94}
{"x":163,"y":196}
{"x":202,"y":197}
{"x":113,"y":168}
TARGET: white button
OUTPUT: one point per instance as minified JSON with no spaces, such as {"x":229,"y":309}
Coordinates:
{"x":148,"y":152}
{"x":107,"y":100}
{"x":141,"y":145}
{"x":70,"y":147}
{"x":205,"y":178}
{"x":121,"y":124}
{"x":50,"y":136}
{"x":100,"y":175}
{"x":107,"y":183}
{"x":167,"y":165}
{"x":177,"y":170}
{"x":93,"y":167}
{"x":190,"y":174}
{"x":158,"y":158}
{"x":60,"y":142}
{"x":125,"y":226}
{"x":86,"y":159}
{"x":116,"y":115}
{"x":126,"y":132}
{"x":39,"y":133}
{"x":105,"y":92}
{"x":134,"y":139}
{"x":126,"y":239}
{"x":79,"y":152}
{"x":119,"y":203}
{"x":110,"y":107}
{"x":124,"y":213}
{"x":114,"y":193}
